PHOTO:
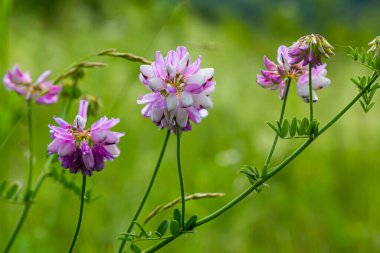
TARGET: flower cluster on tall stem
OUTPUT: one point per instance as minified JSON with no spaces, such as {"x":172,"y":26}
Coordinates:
{"x":42,"y":91}
{"x":82,"y":150}
{"x":275,"y":76}
{"x":180,"y":90}
{"x":310,"y":49}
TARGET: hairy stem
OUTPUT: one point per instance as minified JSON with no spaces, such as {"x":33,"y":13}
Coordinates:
{"x":147,"y":191}
{"x":80,"y":214}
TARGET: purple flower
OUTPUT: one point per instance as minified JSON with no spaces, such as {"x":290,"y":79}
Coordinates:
{"x":276,"y":75}
{"x":180,"y":90}
{"x":310,"y":48}
{"x":42,"y":91}
{"x":84,"y":150}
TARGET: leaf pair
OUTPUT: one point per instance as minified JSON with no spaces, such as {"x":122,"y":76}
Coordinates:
{"x":295,"y":128}
{"x":366,"y":100}
{"x":253,"y":176}
{"x":10,"y":192}
{"x":365,"y":58}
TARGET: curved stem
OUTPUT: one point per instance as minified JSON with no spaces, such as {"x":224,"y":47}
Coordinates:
{"x":147,"y":191}
{"x":183,"y":201}
{"x":274,"y":170}
{"x":31,"y":151}
{"x":80,"y":214}
{"x":311,"y":102}
{"x":274,"y":144}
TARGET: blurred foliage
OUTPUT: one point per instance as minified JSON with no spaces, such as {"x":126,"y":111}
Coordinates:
{"x":327,"y":200}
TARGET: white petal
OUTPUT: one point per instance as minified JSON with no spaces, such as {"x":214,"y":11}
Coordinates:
{"x":171,"y":102}
{"x":156,"y":83}
{"x":207,"y":72}
{"x":183,"y":63}
{"x":147,"y":70}
{"x":202,"y":100}
{"x":321,"y":82}
{"x":198,"y":78}
{"x":157,"y":114}
{"x":303,"y":92}
{"x":182,"y":117}
{"x":186,"y":99}
{"x":112,"y":149}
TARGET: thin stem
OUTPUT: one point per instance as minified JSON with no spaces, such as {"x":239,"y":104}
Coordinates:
{"x":270,"y":154}
{"x":273,"y":171}
{"x":311,"y":102}
{"x":66,"y":108}
{"x":147,"y":191}
{"x":31,"y":151}
{"x":18,"y":227}
{"x":80,"y":214}
{"x":183,"y":201}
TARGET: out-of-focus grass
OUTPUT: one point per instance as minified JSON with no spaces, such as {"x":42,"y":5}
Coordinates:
{"x":325,"y":201}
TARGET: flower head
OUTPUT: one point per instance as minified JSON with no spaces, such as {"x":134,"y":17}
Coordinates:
{"x":276,"y":75}
{"x":375,"y":46}
{"x":180,"y":90}
{"x":82,"y":150}
{"x":310,"y":48}
{"x":42,"y":91}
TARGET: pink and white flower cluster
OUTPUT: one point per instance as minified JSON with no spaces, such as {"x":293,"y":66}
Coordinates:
{"x":180,"y":90}
{"x":276,"y":75}
{"x":84,"y":150}
{"x":42,"y":91}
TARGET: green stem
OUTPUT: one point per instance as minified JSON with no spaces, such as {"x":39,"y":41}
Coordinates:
{"x":80,"y":214}
{"x":31,"y":152}
{"x":274,"y":144}
{"x":183,"y":201}
{"x":311,"y":102}
{"x":147,"y":191}
{"x":66,"y":108}
{"x":273,"y":171}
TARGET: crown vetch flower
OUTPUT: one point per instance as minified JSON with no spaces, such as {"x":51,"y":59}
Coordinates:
{"x":310,"y":48}
{"x":276,"y":75}
{"x":83,"y":150}
{"x":375,"y":46}
{"x":180,"y":90}
{"x":42,"y":91}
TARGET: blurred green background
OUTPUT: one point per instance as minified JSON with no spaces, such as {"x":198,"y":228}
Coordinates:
{"x":327,"y":200}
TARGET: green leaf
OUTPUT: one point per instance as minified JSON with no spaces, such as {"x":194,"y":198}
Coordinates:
{"x":3,"y":185}
{"x":143,"y":232}
{"x":284,"y":128}
{"x":135,"y":248}
{"x":303,"y":125}
{"x":311,"y":127}
{"x":293,"y":127}
{"x":12,"y":191}
{"x":190,"y":224}
{"x":363,"y":105}
{"x":274,"y":128}
{"x":161,"y":229}
{"x":174,"y":227}
{"x":177,"y":215}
